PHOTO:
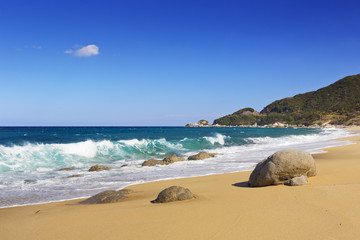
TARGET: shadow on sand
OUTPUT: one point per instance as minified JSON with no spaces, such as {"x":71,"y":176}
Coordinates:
{"x":241,"y":184}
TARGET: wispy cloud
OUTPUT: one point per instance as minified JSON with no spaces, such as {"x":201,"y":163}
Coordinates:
{"x":87,"y":51}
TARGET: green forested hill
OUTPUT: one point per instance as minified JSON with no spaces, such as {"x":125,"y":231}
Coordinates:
{"x":338,"y":103}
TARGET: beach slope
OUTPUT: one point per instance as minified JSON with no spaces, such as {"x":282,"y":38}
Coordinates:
{"x":225,"y":208}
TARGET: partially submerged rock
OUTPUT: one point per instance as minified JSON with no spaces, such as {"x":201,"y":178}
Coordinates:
{"x":29,"y":181}
{"x":168,"y":160}
{"x":297,"y":181}
{"x":152,"y":162}
{"x":174,"y":193}
{"x":75,"y":176}
{"x":67,"y":169}
{"x":98,"y":168}
{"x":173,"y":158}
{"x":282,"y":166}
{"x":110,"y":196}
{"x":202,"y":155}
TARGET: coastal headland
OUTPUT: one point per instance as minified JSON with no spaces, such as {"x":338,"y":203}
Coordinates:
{"x":336,"y":105}
{"x":224,"y":208}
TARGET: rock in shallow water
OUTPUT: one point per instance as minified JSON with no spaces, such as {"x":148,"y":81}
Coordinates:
{"x":97,"y":168}
{"x":166,"y":161}
{"x":202,"y":155}
{"x":67,"y":169}
{"x":282,"y":166}
{"x":152,"y":162}
{"x":173,"y":158}
{"x":75,"y":176}
{"x":174,"y":193}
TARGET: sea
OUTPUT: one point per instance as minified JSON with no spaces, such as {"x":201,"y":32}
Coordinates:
{"x":30,"y":157}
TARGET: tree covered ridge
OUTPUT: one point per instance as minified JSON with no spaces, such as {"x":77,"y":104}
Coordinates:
{"x":338,"y":103}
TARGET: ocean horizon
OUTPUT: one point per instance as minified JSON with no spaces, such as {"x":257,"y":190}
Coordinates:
{"x":31,"y":157}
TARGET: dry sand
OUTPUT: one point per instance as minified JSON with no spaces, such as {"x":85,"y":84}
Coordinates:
{"x":225,"y":208}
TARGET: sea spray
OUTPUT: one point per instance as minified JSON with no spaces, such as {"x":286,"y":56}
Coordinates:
{"x":31,"y":157}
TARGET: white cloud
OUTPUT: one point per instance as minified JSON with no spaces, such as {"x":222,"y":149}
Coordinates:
{"x":68,"y":51}
{"x":87,"y":51}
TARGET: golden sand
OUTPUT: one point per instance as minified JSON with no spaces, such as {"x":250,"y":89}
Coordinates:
{"x":225,"y":208}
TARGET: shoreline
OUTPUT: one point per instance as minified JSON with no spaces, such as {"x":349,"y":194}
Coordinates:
{"x":313,"y":149}
{"x":225,"y":208}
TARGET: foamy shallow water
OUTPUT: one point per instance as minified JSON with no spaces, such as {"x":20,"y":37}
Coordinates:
{"x":28,"y":171}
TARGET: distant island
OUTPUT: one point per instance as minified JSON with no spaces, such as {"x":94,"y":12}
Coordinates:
{"x":336,"y":104}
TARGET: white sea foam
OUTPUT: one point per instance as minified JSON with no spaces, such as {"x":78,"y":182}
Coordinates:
{"x":218,"y":138}
{"x":87,"y":149}
{"x":37,"y":162}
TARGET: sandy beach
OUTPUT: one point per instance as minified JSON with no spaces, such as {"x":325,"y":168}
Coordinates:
{"x":225,"y":208}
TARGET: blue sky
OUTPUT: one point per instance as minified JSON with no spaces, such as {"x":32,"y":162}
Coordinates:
{"x":166,"y":62}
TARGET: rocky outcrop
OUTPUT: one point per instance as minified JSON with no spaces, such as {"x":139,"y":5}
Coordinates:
{"x":201,"y":123}
{"x":204,"y":123}
{"x":166,"y":161}
{"x":67,"y":169}
{"x":97,"y":168}
{"x":202,"y":156}
{"x":282,"y":166}
{"x":110,"y":196}
{"x":297,"y":181}
{"x":174,"y":193}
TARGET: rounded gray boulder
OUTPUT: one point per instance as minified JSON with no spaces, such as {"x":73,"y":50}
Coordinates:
{"x":110,"y":196}
{"x":282,"y":166}
{"x":174,"y":193}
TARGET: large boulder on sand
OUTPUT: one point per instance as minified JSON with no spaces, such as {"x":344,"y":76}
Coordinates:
{"x":98,"y":168}
{"x":282,"y":166}
{"x":174,"y":193}
{"x":202,"y":155}
{"x":110,"y":196}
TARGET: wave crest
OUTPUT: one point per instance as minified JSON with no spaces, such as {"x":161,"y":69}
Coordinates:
{"x":30,"y":157}
{"x":218,"y":138}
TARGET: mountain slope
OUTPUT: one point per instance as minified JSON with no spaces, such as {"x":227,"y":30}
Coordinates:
{"x":338,"y":103}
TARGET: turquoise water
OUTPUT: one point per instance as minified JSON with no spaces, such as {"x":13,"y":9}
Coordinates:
{"x":31,"y":156}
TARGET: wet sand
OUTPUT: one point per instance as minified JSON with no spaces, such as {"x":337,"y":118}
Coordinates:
{"x":225,"y":208}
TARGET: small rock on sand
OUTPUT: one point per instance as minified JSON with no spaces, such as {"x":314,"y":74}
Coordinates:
{"x":297,"y":181}
{"x":174,"y":193}
{"x":110,"y":196}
